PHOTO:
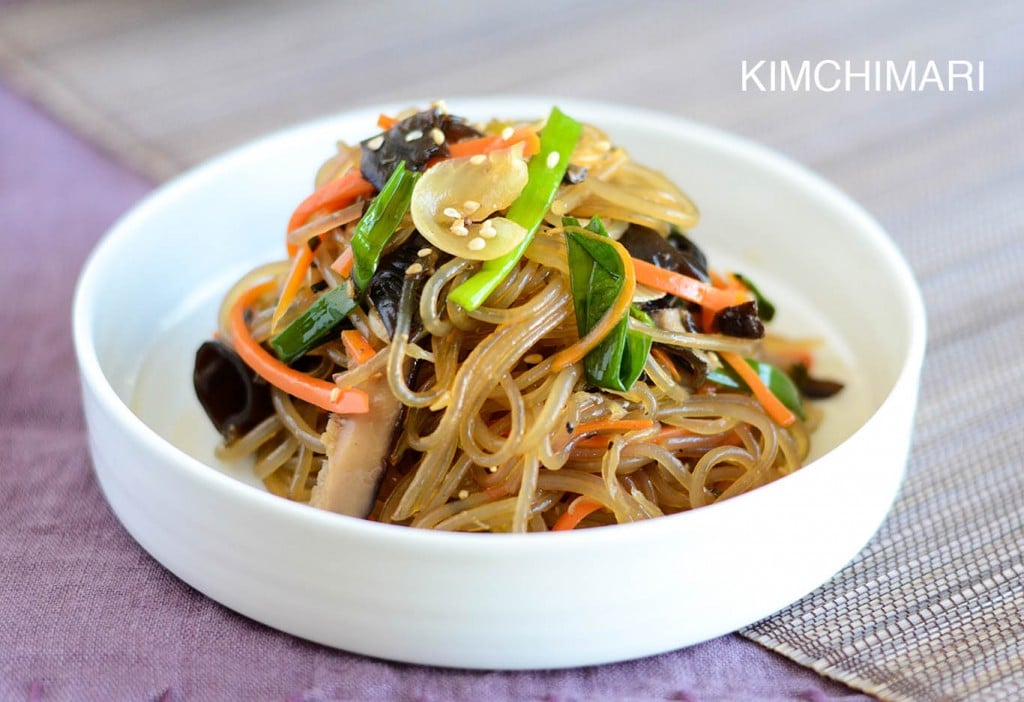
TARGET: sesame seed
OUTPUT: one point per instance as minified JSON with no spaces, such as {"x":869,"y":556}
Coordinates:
{"x":470,"y":206}
{"x":476,"y":243}
{"x":423,"y":253}
{"x":458,"y":228}
{"x":335,"y":394}
{"x":451,"y":212}
{"x":603,"y":145}
{"x":437,"y":135}
{"x":559,"y":208}
{"x":507,"y":133}
{"x":533,"y":359}
{"x":414,"y":135}
{"x":463,"y":494}
{"x":440,"y":106}
{"x":487,"y":230}
{"x":414,"y":269}
{"x":375,"y":143}
{"x":492,"y":469}
{"x":478,"y":159}
{"x":553,"y":159}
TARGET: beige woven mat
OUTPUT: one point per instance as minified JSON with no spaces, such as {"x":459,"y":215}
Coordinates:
{"x":932,"y":608}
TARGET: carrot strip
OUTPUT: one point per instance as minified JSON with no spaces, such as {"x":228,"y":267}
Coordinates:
{"x":331,"y":196}
{"x":343,"y":263}
{"x":579,"y":509}
{"x":689,"y":289}
{"x":661,"y":357}
{"x":318,"y":392}
{"x":386,"y":122}
{"x":357,"y":347}
{"x":772,"y":405}
{"x":575,"y":352}
{"x":671,"y":433}
{"x":487,"y":144}
{"x":300,"y":266}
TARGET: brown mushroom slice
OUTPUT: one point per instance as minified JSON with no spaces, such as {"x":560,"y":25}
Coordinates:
{"x":357,"y":450}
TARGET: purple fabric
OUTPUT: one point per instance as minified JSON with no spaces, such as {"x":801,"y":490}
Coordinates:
{"x":86,"y":614}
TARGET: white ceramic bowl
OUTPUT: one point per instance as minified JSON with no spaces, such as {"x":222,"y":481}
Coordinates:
{"x":146,"y":299}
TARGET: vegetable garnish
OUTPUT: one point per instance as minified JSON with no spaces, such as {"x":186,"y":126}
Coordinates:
{"x":379,"y":223}
{"x":558,"y":138}
{"x":772,"y":388}
{"x":318,"y":392}
{"x":300,"y":266}
{"x":588,"y":434}
{"x":486,"y":144}
{"x":343,"y":263}
{"x":765,"y":309}
{"x":600,"y":282}
{"x":357,"y":348}
{"x":313,"y":326}
{"x":685,"y":287}
{"x":578,"y":510}
{"x":331,"y":196}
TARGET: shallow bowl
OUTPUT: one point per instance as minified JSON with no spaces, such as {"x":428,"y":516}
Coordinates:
{"x":147,"y":298}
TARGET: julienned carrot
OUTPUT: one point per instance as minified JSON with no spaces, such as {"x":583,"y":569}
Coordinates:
{"x":318,"y":392}
{"x":772,"y":405}
{"x":487,"y":144}
{"x":386,"y":122}
{"x":300,"y":266}
{"x":615,"y":314}
{"x":579,"y":509}
{"x":591,"y":432}
{"x":343,"y":263}
{"x":330,"y":196}
{"x":685,"y":287}
{"x":357,"y":347}
{"x":663,"y":358}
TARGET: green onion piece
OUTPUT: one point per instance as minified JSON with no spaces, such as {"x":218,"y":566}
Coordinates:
{"x":776,"y":380}
{"x":379,"y":222}
{"x":765,"y":309}
{"x":596,"y":276}
{"x":559,"y":136}
{"x":311,"y":327}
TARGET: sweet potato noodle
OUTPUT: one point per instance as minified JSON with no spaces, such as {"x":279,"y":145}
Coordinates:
{"x":573,"y":392}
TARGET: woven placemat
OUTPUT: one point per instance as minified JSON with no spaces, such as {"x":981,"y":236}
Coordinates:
{"x":931,"y":609}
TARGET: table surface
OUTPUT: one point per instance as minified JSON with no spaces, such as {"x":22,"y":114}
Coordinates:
{"x":84,"y":134}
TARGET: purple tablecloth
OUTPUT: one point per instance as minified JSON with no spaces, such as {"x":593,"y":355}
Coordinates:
{"x":86,"y":614}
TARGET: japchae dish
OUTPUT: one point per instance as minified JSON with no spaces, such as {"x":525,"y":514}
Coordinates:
{"x":502,"y":326}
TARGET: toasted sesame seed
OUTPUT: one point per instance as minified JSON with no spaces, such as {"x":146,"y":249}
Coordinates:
{"x":463,"y":494}
{"x":414,"y":269}
{"x":492,"y":469}
{"x":451,"y":212}
{"x":487,"y":230}
{"x":476,"y":243}
{"x":553,"y":159}
{"x":437,"y":135}
{"x":478,"y":159}
{"x":603,"y":145}
{"x":414,"y":135}
{"x":423,"y":253}
{"x":441,"y":106}
{"x":335,"y":394}
{"x":375,"y":143}
{"x":559,"y":208}
{"x":507,"y":133}
{"x":533,"y":359}
{"x":470,"y":206}
{"x":458,"y":228}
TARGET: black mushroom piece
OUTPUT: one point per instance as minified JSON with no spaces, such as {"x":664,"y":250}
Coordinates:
{"x":740,"y":320}
{"x":413,"y":140}
{"x":811,"y":387}
{"x":233,"y":397}
{"x":385,"y":290}
{"x":675,"y":253}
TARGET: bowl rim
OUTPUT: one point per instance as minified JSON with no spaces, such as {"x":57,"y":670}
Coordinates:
{"x":93,"y":377}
